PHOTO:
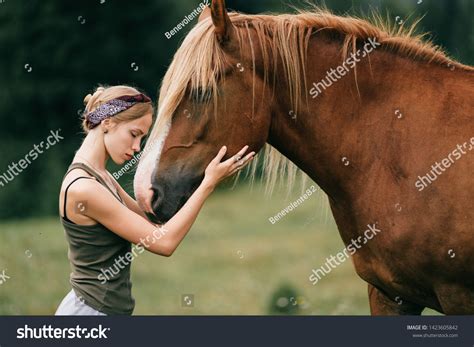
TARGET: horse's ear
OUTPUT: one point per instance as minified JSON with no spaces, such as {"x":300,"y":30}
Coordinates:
{"x":221,"y":20}
{"x":204,"y":14}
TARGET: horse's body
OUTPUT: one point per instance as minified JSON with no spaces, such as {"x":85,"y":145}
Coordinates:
{"x":365,"y":140}
{"x":410,"y":258}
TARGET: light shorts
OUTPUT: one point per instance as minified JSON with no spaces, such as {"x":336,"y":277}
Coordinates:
{"x":73,"y":306}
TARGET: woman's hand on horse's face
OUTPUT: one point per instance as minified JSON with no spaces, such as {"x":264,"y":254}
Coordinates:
{"x":217,"y":171}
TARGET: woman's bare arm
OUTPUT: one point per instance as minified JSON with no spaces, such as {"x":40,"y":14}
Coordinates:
{"x":163,"y":240}
{"x":129,"y":201}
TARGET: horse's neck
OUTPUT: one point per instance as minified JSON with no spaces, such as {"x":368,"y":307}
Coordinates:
{"x":331,"y":137}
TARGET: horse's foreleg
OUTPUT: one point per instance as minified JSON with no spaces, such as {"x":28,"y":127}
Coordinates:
{"x":382,"y":305}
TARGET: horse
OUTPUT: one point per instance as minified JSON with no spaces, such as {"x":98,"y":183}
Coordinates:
{"x":378,"y":116}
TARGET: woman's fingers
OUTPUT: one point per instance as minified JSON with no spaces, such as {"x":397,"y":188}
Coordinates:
{"x":216,"y":171}
{"x":242,"y":163}
{"x":244,"y":160}
{"x":220,"y":155}
{"x":236,"y":157}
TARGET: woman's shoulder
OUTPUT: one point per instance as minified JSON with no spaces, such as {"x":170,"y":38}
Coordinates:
{"x":75,"y":175}
{"x":77,"y":186}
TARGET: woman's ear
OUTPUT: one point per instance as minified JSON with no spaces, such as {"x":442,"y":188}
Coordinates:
{"x":107,"y":125}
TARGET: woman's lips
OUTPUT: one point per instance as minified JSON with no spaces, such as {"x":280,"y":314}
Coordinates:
{"x":128,"y":156}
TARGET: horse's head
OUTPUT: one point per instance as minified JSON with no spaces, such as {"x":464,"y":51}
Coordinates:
{"x":213,"y":94}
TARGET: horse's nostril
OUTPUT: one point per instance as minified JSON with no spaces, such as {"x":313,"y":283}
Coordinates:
{"x":157,"y":198}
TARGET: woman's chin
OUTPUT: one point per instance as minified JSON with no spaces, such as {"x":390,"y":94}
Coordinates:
{"x":119,"y":160}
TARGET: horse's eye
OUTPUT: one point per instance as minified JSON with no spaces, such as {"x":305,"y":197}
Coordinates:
{"x":201,"y":95}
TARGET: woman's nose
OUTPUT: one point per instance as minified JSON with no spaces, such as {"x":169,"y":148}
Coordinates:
{"x":136,"y":147}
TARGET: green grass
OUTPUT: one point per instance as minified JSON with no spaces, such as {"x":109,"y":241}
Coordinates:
{"x":233,"y":261}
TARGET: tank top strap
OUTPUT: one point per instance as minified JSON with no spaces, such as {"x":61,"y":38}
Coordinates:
{"x":94,"y":174}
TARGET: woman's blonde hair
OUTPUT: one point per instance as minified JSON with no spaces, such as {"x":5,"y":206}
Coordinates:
{"x":104,"y":94}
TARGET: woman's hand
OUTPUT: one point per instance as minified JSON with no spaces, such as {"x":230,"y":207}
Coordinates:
{"x":217,"y":171}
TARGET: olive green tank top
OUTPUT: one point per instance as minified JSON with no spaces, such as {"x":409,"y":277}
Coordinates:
{"x":100,"y":273}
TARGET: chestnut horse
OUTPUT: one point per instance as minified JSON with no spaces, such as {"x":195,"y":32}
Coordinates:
{"x":368,"y":110}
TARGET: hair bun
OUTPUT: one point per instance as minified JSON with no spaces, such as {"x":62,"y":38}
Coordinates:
{"x":87,"y":99}
{"x":94,"y":96}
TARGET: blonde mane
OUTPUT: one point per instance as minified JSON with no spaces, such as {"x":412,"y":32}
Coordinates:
{"x":199,"y":63}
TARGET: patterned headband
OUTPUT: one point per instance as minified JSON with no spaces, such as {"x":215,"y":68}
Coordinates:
{"x":112,"y":107}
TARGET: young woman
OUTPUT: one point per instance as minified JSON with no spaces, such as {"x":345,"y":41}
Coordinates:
{"x":101,"y":220}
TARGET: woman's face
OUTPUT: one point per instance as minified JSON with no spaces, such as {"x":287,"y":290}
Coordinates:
{"x":123,"y":139}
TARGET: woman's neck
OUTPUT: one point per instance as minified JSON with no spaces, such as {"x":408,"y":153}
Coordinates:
{"x":93,"y":151}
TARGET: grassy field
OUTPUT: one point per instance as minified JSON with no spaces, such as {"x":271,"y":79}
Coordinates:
{"x":234,"y":261}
